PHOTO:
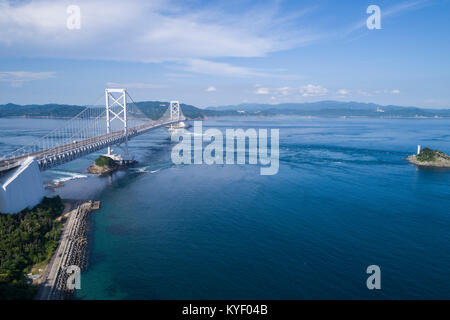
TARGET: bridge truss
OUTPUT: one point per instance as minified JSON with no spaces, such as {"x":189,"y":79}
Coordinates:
{"x":93,"y":129}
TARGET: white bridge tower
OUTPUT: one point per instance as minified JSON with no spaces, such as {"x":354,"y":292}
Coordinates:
{"x":174,"y":110}
{"x":116,"y":108}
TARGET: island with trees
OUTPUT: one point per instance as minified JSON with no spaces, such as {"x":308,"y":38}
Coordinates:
{"x":103,"y":165}
{"x":430,"y":158}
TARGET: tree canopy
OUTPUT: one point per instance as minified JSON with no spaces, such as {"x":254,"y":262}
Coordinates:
{"x":27,"y":238}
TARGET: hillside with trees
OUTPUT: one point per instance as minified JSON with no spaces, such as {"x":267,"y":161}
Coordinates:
{"x":27,"y":238}
{"x":155,"y":109}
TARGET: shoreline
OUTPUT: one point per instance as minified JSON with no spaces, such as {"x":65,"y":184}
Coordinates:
{"x":429,"y":164}
{"x":71,"y":250}
{"x":252,"y":115}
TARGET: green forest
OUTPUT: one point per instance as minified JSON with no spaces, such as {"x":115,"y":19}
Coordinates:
{"x":27,"y":238}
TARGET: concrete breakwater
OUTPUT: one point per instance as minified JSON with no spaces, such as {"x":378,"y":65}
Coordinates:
{"x":71,"y":251}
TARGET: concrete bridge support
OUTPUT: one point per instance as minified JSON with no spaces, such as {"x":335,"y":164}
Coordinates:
{"x":21,"y":187}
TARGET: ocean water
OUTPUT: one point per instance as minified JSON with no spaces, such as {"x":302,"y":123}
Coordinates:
{"x":344,"y":198}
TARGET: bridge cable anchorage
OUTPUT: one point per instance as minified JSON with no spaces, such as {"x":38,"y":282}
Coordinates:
{"x":94,"y":129}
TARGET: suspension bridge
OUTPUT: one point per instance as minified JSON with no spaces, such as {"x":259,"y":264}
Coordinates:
{"x":88,"y":132}
{"x":93,"y":129}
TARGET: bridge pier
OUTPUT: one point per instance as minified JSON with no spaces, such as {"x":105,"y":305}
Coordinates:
{"x":21,"y":188}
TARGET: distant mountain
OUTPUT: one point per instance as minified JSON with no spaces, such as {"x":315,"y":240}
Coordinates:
{"x":40,"y":111}
{"x":332,"y":109}
{"x":155,"y":109}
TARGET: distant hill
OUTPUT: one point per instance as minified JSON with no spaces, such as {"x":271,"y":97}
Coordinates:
{"x":40,"y":111}
{"x":155,"y":109}
{"x":332,"y":109}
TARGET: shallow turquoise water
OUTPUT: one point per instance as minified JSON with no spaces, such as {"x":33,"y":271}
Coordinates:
{"x":344,"y":199}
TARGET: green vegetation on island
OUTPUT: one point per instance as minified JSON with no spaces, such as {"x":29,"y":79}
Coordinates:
{"x":103,"y":161}
{"x":427,"y":154}
{"x":431,"y":158}
{"x":26,"y":239}
{"x":102,"y":165}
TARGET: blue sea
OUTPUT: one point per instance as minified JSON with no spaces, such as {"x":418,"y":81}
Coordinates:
{"x":344,"y":198}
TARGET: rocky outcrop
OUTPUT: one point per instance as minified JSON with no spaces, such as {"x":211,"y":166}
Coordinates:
{"x":430,"y":158}
{"x":103,"y":165}
{"x":95,"y":169}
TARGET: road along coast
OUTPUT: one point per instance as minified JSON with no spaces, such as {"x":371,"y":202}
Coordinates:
{"x":71,"y":251}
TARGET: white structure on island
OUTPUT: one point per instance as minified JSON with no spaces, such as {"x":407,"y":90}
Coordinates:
{"x":418,"y":148}
{"x":21,"y":187}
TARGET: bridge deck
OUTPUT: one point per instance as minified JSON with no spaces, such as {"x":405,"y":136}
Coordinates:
{"x":49,"y":158}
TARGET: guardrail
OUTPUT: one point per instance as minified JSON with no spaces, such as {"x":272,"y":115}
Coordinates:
{"x":55,"y":156}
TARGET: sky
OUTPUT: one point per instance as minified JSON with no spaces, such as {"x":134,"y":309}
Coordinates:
{"x":210,"y":53}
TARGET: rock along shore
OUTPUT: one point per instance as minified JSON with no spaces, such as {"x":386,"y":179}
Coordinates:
{"x":95,"y":169}
{"x":440,"y":162}
{"x":71,"y":251}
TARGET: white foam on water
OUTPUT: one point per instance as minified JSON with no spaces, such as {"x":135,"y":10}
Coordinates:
{"x":144,"y":170}
{"x":68,"y":176}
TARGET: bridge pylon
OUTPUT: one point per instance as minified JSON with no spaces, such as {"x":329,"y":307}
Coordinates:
{"x":116,"y":108}
{"x":174,"y":109}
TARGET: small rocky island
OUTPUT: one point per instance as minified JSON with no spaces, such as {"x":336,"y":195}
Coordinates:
{"x":103,"y":165}
{"x":430,"y":158}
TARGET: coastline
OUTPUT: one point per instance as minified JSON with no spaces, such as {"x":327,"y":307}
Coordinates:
{"x":71,"y":250}
{"x":430,"y":164}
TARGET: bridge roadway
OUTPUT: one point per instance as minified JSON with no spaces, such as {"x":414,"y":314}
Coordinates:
{"x":49,"y":158}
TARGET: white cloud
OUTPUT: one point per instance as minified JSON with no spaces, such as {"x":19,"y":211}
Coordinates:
{"x":217,"y":68}
{"x":17,"y":78}
{"x":262,"y":90}
{"x":343,"y":92}
{"x":395,"y":91}
{"x":313,"y":91}
{"x":284,"y":91}
{"x":394,"y":10}
{"x":290,"y":92}
{"x":146,"y":31}
{"x":177,"y":75}
{"x":405,"y":6}
{"x":211,"y":89}
{"x":364,"y":93}
{"x":134,"y":85}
